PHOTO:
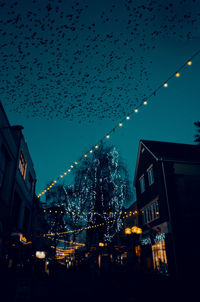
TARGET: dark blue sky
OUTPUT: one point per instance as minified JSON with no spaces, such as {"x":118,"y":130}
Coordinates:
{"x":71,"y":72}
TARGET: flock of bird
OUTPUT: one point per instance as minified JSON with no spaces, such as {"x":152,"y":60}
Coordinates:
{"x":85,"y":60}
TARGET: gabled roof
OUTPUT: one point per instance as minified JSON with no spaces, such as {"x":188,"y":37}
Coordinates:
{"x":165,"y":151}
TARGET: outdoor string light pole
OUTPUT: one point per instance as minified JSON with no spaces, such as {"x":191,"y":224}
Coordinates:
{"x":133,"y":232}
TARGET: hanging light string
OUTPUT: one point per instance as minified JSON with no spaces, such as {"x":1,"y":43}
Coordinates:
{"x":144,"y":102}
{"x":127,"y":215}
{"x":88,"y":213}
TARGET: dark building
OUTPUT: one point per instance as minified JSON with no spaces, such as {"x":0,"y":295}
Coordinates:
{"x":17,"y":188}
{"x":167,"y":180}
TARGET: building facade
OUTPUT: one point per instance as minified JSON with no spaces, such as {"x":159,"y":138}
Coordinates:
{"x":167,"y":178}
{"x":17,"y":188}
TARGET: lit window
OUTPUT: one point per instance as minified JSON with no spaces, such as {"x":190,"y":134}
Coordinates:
{"x":160,"y":257}
{"x":22,"y":165}
{"x":150,"y":213}
{"x":142,"y":184}
{"x":150,"y":175}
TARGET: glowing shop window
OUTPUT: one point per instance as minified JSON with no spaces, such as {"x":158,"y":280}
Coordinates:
{"x":160,"y":257}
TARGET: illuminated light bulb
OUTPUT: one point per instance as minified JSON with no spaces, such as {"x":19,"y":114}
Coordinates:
{"x":107,"y":136}
{"x":72,"y":166}
{"x":55,"y":181}
{"x":165,"y":85}
{"x":145,"y":102}
{"x":128,"y":117}
{"x":47,"y":188}
{"x":120,"y":124}
{"x":189,"y":63}
{"x":96,"y":146}
{"x":76,"y":163}
{"x":85,"y":155}
{"x":91,"y":151}
{"x":136,"y":110}
{"x":65,"y":173}
{"x":69,"y":170}
{"x":44,"y":210}
{"x":177,"y":74}
{"x":45,"y":191}
{"x":61,"y":176}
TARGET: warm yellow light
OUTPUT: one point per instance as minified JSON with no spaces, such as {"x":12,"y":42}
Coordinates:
{"x":101,"y":244}
{"x":47,"y":188}
{"x":72,"y":166}
{"x":145,"y":102}
{"x":128,"y":117}
{"x":76,"y":163}
{"x":40,"y":254}
{"x":165,"y":85}
{"x":45,"y":191}
{"x":61,"y":176}
{"x":108,"y":136}
{"x":127,"y":231}
{"x":120,"y":124}
{"x":189,"y":63}
{"x":69,"y":170}
{"x":91,"y":151}
{"x":55,"y":181}
{"x":85,"y":155}
{"x":177,"y":74}
{"x":136,"y":110}
{"x":139,"y":231}
{"x":96,"y":146}
{"x":65,"y":173}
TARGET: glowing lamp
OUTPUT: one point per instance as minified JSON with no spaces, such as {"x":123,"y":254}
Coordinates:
{"x":127,"y":231}
{"x":128,"y":117}
{"x":120,"y":124}
{"x":177,"y":74}
{"x":107,"y":136}
{"x":85,"y":155}
{"x":136,"y":110}
{"x":96,"y":146}
{"x":101,"y":244}
{"x":40,"y":254}
{"x":165,"y":85}
{"x":145,"y":102}
{"x":91,"y":151}
{"x":189,"y":63}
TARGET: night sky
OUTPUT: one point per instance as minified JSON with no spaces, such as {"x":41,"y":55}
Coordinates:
{"x":72,"y":70}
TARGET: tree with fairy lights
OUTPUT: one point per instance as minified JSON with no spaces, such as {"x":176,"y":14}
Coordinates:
{"x":101,"y":189}
{"x":55,"y":214}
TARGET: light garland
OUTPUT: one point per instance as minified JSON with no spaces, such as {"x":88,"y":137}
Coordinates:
{"x":120,"y":124}
{"x":92,"y":226}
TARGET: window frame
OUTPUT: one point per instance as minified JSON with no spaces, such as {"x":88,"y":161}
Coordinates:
{"x":142,"y":181}
{"x":150,"y":173}
{"x":22,"y":164}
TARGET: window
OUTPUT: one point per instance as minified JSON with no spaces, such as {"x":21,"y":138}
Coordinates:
{"x":160,"y":257}
{"x":22,"y":165}
{"x":150,"y":175}
{"x":150,"y":213}
{"x":142,"y":184}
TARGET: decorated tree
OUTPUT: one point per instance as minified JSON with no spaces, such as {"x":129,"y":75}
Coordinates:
{"x":101,"y":189}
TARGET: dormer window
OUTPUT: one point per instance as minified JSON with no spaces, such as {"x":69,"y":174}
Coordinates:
{"x":22,"y":165}
{"x":142,"y":184}
{"x":150,"y":175}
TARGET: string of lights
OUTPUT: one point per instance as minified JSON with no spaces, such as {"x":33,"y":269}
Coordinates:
{"x":144,"y":102}
{"x":128,"y":214}
{"x":88,"y":213}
